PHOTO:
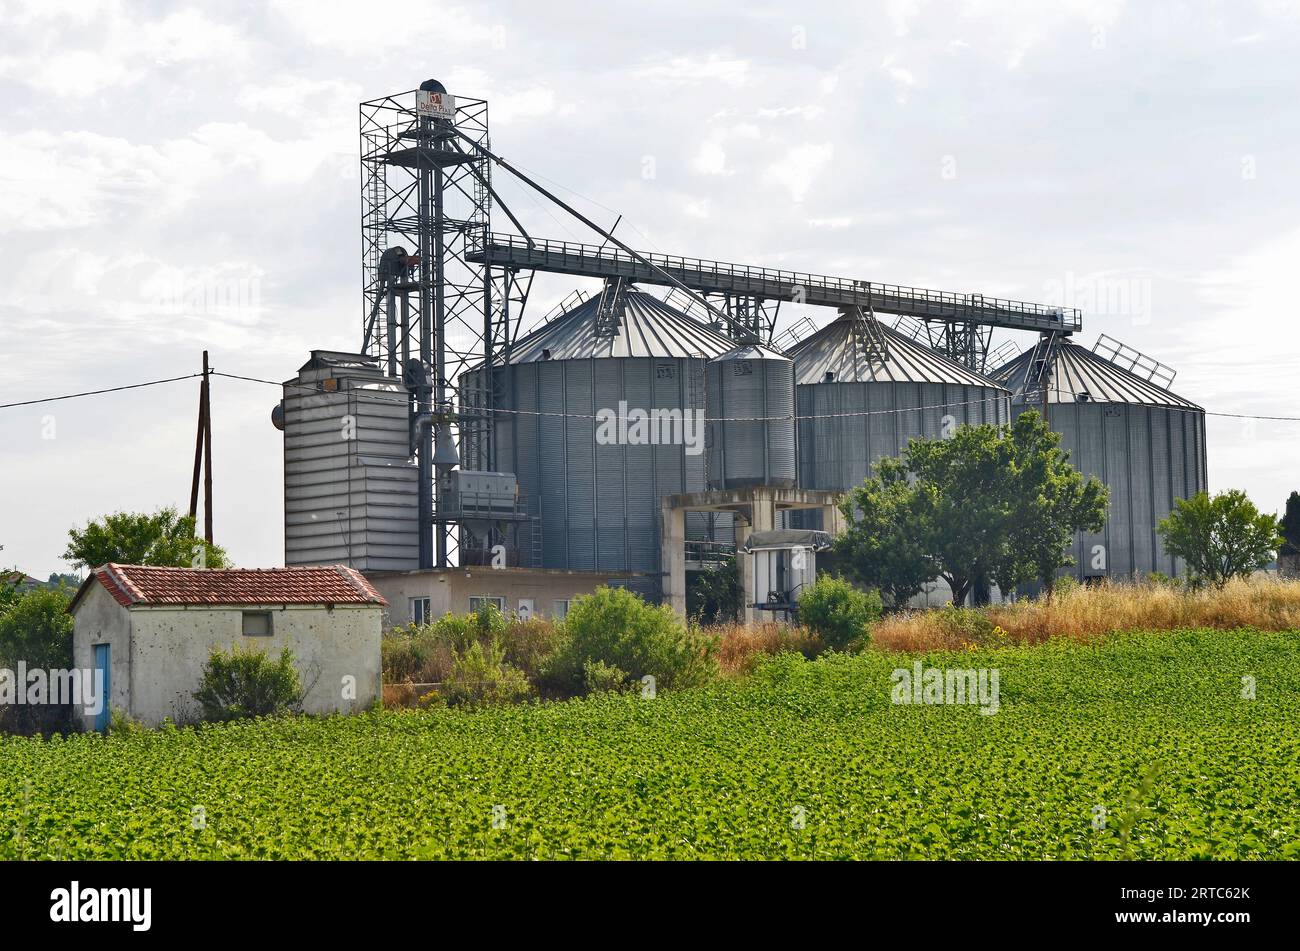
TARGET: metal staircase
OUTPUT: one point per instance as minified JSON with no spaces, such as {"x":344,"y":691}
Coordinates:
{"x":610,"y":309}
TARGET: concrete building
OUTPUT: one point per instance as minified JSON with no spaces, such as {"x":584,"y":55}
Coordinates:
{"x":150,"y":631}
{"x":428,"y":594}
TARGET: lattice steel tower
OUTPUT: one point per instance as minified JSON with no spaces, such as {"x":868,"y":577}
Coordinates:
{"x":429,"y":312}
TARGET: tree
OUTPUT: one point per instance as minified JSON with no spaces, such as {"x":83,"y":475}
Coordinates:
{"x":165,"y":538}
{"x":1220,"y":537}
{"x":716,"y":594}
{"x":997,"y":503}
{"x":1291,"y":526}
{"x":36,"y":629}
{"x":1050,"y":502}
{"x":963,"y":505}
{"x":880,"y":547}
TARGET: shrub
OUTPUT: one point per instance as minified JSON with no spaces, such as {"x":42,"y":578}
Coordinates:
{"x":247,"y":683}
{"x":620,"y":630}
{"x":600,"y":677}
{"x":968,"y":627}
{"x":838,"y":612}
{"x":121,"y":723}
{"x":36,"y":628}
{"x":480,"y":677}
{"x":426,"y":653}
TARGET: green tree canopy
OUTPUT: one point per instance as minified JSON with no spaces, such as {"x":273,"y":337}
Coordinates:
{"x":36,"y":629}
{"x":1220,"y":537}
{"x":166,"y":538}
{"x":880,"y":547}
{"x":1291,"y":525}
{"x":1050,"y":502}
{"x":989,"y":502}
{"x":715,"y":595}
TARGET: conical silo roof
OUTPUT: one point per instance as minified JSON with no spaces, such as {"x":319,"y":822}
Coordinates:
{"x":835,"y":349}
{"x":1080,"y":375}
{"x":753,"y":351}
{"x":648,"y":328}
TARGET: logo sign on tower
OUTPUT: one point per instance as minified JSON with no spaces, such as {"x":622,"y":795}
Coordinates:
{"x":439,"y":105}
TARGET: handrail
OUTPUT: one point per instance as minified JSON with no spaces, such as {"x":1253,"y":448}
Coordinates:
{"x":578,"y":254}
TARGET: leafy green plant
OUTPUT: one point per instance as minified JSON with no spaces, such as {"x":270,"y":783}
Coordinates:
{"x":480,"y":677}
{"x":837,"y":612}
{"x":245,"y":682}
{"x":600,"y":677}
{"x":426,"y":653}
{"x":713,"y":772}
{"x":615,"y":627}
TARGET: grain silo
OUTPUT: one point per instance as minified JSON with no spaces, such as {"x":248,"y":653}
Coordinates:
{"x":600,"y":414}
{"x":350,"y":488}
{"x":751,"y":411}
{"x":863,"y":390}
{"x":1146,"y":443}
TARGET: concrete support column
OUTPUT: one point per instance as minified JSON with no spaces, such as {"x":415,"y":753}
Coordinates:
{"x":746,"y":563}
{"x":832,"y":520}
{"x":672,"y":556}
{"x":762,"y":518}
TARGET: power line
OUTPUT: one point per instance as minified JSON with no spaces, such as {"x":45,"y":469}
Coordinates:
{"x":377,"y":397}
{"x":111,"y":389}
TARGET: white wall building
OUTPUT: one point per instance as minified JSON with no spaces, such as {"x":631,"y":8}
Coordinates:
{"x":150,"y":631}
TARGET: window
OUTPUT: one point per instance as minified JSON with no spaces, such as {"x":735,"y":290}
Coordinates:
{"x":481,"y":601}
{"x":257,"y":623}
{"x":560,"y":608}
{"x":418,"y":610}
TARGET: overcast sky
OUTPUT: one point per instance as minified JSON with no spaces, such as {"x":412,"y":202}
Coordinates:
{"x":1137,"y":160}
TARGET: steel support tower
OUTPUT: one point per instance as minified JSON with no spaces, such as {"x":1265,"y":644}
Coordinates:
{"x":433,"y":304}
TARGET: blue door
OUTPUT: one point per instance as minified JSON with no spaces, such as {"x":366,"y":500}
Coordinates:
{"x":102,"y":665}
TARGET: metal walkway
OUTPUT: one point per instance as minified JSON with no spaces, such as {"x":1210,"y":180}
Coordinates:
{"x":588,"y":260}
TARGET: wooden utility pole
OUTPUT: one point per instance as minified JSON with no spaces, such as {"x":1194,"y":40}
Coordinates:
{"x":203,"y":455}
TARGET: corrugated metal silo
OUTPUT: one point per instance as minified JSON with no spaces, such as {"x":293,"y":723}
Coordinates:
{"x":1146,"y":443}
{"x":597,"y":501}
{"x":751,"y":402}
{"x":857,"y":403}
{"x":350,"y":489}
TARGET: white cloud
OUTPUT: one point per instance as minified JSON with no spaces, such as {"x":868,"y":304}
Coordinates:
{"x":692,"y":71}
{"x":799,"y":169}
{"x":112,"y":45}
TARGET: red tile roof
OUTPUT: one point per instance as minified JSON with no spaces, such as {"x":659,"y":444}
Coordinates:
{"x":142,"y":584}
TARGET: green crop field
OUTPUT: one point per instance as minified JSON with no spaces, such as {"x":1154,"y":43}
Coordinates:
{"x":803,"y":760}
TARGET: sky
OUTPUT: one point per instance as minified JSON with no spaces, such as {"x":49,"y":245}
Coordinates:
{"x":181,"y":177}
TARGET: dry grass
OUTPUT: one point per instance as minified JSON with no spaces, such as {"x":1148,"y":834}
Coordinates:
{"x":740,"y":645}
{"x":1087,"y":613}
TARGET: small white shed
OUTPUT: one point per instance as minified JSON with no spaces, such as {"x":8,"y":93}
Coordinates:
{"x":150,"y":630}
